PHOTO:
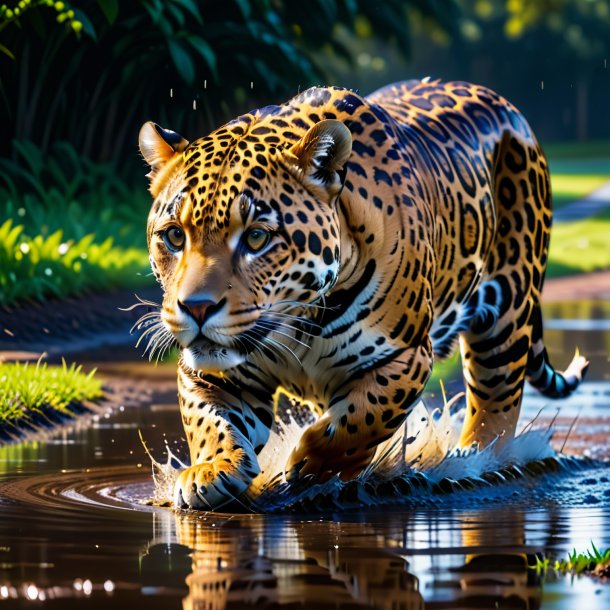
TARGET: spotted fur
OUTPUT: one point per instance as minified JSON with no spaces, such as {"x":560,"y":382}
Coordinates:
{"x":400,"y":224}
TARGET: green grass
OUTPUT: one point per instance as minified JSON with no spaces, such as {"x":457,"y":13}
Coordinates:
{"x":570,"y":187}
{"x":30,"y":391}
{"x":72,"y":226}
{"x":580,"y":247}
{"x":39,"y":267}
{"x":592,"y":561}
{"x":577,"y":169}
{"x":591,"y":149}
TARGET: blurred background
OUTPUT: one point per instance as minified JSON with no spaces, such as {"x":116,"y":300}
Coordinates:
{"x":77,"y":80}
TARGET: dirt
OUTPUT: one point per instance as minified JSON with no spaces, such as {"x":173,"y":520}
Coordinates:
{"x":588,"y":286}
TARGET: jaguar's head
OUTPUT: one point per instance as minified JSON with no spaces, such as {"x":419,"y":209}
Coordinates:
{"x":244,"y":228}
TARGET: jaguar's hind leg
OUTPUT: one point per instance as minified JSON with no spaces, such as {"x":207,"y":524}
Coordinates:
{"x":500,"y":350}
{"x":497,"y":357}
{"x":494,"y":359}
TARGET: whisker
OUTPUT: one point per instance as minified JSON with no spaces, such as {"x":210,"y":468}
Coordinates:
{"x":301,"y":319}
{"x":282,"y":345}
{"x":287,"y":325}
{"x":314,"y":304}
{"x":279,"y":332}
{"x":154,"y":329}
{"x":258,"y":346}
{"x":157,"y":339}
{"x":145,"y":323}
{"x":140,"y":303}
{"x":262,"y":339}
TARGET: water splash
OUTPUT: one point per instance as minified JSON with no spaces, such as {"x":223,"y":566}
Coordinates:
{"x":418,"y":465}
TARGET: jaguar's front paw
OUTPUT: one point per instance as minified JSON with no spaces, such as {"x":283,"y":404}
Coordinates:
{"x":210,"y":486}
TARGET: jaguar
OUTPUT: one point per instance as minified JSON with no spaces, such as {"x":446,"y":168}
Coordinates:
{"x":335,"y":246}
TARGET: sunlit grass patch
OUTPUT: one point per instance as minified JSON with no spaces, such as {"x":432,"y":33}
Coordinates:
{"x":577,"y":169}
{"x":38,"y":267}
{"x":30,"y":391}
{"x":70,"y":225}
{"x":568,"y":188}
{"x":580,"y":246}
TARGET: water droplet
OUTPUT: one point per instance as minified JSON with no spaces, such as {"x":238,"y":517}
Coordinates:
{"x":32,"y":592}
{"x":109,"y":586}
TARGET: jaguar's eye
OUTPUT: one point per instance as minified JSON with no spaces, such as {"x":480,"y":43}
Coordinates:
{"x":256,"y":239}
{"x":174,"y":239}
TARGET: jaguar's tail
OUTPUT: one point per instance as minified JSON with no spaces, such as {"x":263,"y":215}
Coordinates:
{"x":541,"y":373}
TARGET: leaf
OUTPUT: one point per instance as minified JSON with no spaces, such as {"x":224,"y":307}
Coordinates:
{"x":244,"y":8}
{"x":87,"y":25}
{"x":177,"y":13}
{"x":191,"y":7}
{"x":205,"y":51}
{"x":182,"y":60}
{"x":110,"y":8}
{"x":6,"y":51}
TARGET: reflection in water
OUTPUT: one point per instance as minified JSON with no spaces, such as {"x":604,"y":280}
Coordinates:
{"x":277,"y":563}
{"x":239,"y":561}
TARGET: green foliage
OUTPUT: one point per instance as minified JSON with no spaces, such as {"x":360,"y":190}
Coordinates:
{"x":571,"y":187}
{"x":72,"y":226}
{"x":577,"y":169}
{"x":12,"y":14}
{"x":580,"y":247}
{"x":65,"y":191}
{"x":98,"y":88}
{"x":31,"y":390}
{"x":581,"y":24}
{"x":39,"y":267}
{"x":576,"y":563}
{"x":586,"y":152}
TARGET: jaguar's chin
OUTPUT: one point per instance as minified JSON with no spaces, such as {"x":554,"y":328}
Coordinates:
{"x":203,"y":355}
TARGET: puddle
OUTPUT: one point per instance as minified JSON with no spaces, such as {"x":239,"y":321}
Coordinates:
{"x":73,"y":530}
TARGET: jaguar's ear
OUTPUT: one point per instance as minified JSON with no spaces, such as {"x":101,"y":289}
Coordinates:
{"x":158,"y":146}
{"x":319,"y":157}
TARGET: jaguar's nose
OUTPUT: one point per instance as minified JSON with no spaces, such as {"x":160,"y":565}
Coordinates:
{"x":198,"y":307}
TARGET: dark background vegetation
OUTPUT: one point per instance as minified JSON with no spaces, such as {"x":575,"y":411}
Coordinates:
{"x":78,"y":79}
{"x":107,"y":66}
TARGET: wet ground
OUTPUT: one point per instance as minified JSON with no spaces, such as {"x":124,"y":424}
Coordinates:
{"x":74,"y":533}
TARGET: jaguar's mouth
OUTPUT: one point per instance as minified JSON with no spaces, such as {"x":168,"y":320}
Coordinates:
{"x":204,"y":355}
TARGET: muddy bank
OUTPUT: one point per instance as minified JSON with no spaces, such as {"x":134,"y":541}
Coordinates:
{"x":70,"y":326}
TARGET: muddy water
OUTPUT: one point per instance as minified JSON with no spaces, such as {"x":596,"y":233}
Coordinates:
{"x":74,"y":533}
